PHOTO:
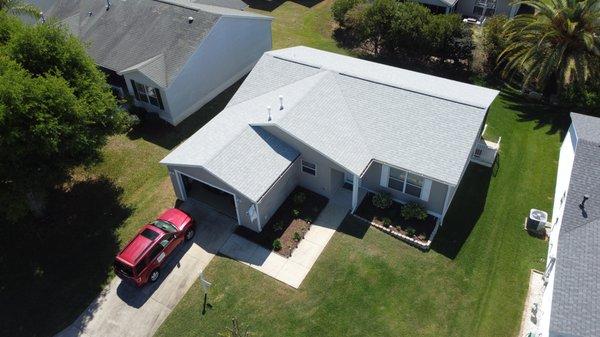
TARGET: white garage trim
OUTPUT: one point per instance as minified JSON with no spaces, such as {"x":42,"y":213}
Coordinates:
{"x":184,"y":192}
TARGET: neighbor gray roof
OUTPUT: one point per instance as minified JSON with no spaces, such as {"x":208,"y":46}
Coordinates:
{"x":351,"y":111}
{"x":152,"y":37}
{"x":576,"y":295}
{"x":441,"y":3}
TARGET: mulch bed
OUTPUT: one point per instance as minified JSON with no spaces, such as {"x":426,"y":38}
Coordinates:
{"x":284,"y":224}
{"x":423,"y":228}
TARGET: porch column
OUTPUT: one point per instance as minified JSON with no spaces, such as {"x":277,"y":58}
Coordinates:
{"x":355,"y":186}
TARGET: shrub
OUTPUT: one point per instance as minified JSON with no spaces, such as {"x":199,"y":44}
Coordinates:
{"x":297,"y":236}
{"x":340,"y":8}
{"x":382,"y":200}
{"x":278,"y":226}
{"x":277,"y":245}
{"x":387,"y":222}
{"x":412,"y":210}
{"x":308,"y":219}
{"x":299,"y":198}
{"x":295,"y":213}
{"x":411,"y":231}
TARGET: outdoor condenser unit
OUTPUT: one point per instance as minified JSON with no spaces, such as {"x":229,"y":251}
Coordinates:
{"x":537,"y":220}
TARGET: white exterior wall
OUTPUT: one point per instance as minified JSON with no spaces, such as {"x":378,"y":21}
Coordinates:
{"x":565,"y":165}
{"x":228,"y":53}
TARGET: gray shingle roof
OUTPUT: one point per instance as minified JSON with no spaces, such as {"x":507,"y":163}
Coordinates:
{"x":576,"y":294}
{"x":151,"y":36}
{"x":352,"y":120}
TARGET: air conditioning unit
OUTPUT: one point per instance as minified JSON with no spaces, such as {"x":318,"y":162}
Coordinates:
{"x":536,"y":221}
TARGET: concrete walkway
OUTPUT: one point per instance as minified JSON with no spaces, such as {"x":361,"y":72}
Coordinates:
{"x":293,"y":270}
{"x":123,"y":310}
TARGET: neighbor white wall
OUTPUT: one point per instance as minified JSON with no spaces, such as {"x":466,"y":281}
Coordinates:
{"x":228,"y":53}
{"x":565,"y":166}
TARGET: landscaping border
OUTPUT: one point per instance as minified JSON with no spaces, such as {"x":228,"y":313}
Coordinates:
{"x":413,"y":242}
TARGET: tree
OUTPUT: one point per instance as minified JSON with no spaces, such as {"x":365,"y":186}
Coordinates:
{"x":493,"y":42}
{"x":408,"y":29}
{"x":556,"y":46}
{"x":18,"y":7}
{"x":449,"y":38}
{"x":55,"y":113}
{"x":340,"y":8}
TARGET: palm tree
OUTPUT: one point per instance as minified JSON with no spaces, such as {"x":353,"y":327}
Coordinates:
{"x":18,"y":7}
{"x":556,"y":46}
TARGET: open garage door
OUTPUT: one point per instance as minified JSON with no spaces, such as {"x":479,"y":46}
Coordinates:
{"x":222,"y":201}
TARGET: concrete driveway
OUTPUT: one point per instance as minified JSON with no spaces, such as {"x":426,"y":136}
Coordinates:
{"x":123,"y":310}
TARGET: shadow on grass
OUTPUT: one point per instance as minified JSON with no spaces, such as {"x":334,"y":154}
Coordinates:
{"x":464,"y":212}
{"x":53,"y":268}
{"x":543,"y":114}
{"x":269,"y":6}
{"x":353,"y":226}
{"x":167,"y":136}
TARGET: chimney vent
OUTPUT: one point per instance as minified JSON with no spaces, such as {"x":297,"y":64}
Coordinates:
{"x":190,"y":19}
{"x":107,"y":4}
{"x":89,"y":13}
{"x":269,"y":112}
{"x":280,"y":102}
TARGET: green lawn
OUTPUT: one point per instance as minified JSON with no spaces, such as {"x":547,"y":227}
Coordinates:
{"x":472,"y":283}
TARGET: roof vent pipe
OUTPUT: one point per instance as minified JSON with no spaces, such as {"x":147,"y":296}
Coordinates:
{"x":89,"y":13}
{"x":42,"y":17}
{"x":585,"y":198}
{"x":269,"y":112}
{"x":190,"y":19}
{"x":280,"y":102}
{"x":107,"y":4}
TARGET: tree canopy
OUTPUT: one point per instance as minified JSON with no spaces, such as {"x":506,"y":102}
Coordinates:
{"x":56,"y":111}
{"x":555,"y":47}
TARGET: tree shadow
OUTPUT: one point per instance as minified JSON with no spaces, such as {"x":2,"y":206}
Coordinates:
{"x":464,"y":212}
{"x":53,"y":268}
{"x":541,"y":113}
{"x":269,"y":6}
{"x":353,"y":226}
{"x":163,"y":134}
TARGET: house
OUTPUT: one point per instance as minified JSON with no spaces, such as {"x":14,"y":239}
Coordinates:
{"x":332,"y":124}
{"x":170,"y":56}
{"x":474,"y":8}
{"x":571,"y":296}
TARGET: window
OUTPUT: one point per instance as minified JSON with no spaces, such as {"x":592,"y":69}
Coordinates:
{"x":155,"y":251}
{"x":147,"y":94}
{"x":405,"y":182}
{"x":309,"y":168}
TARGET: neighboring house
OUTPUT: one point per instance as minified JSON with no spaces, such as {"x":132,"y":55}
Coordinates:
{"x":571,"y":298}
{"x":473,"y":8}
{"x":334,"y":122}
{"x":172,"y":57}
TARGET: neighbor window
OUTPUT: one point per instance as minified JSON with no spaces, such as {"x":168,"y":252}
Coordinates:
{"x":147,"y":94}
{"x":309,"y":168}
{"x":405,"y":182}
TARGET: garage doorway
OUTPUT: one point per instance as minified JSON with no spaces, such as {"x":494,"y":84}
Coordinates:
{"x":221,"y":201}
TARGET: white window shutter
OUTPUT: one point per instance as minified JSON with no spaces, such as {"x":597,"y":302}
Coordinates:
{"x":425,"y":190}
{"x":385,"y":175}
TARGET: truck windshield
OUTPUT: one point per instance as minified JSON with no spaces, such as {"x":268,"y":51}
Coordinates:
{"x":165,"y":226}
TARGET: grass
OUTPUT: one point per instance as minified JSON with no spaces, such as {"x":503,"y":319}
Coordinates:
{"x":472,"y":283}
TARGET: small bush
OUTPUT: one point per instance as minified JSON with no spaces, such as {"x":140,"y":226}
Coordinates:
{"x":297,"y":236}
{"x":277,"y":245}
{"x":278,"y":226}
{"x":412,"y":210}
{"x":382,"y":200}
{"x":411,"y":231}
{"x":308,"y":219}
{"x":299,"y":198}
{"x":295,"y":213}
{"x":387,"y":222}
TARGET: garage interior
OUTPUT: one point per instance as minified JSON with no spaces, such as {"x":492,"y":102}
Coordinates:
{"x":221,"y":201}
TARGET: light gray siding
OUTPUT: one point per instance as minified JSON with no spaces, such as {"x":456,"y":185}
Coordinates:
{"x":437,"y":195}
{"x":466,"y":7}
{"x":227,"y":54}
{"x":274,"y":197}
{"x":242,"y":203}
{"x":319,"y":183}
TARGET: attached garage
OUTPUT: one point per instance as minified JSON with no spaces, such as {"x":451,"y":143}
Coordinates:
{"x":221,"y":200}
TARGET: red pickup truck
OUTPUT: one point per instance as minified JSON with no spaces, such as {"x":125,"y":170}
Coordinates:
{"x":140,"y":261}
